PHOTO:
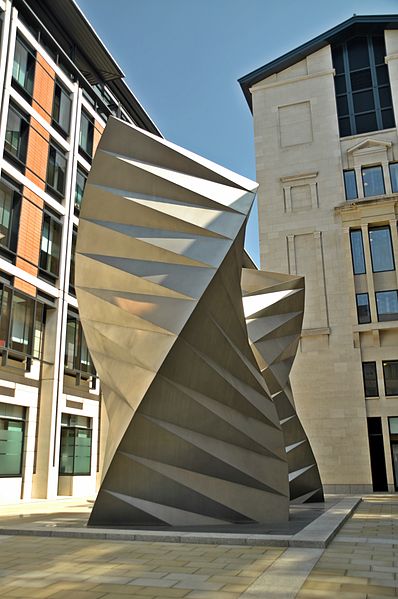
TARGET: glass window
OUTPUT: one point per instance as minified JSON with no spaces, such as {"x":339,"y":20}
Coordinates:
{"x":394,"y":176}
{"x":50,"y":244}
{"x":77,"y":356}
{"x":61,"y":107}
{"x":390,"y":370}
{"x":56,"y":170}
{"x":81,"y":178}
{"x":72,"y":262}
{"x":23,"y":70}
{"x":350,"y":184}
{"x":358,"y":257}
{"x":363,"y":308}
{"x":12,"y":431}
{"x":373,"y":181}
{"x":21,"y":322}
{"x":362,"y":85}
{"x":86,"y":134}
{"x":381,"y":249}
{"x":387,"y":305}
{"x":10,"y":207}
{"x":75,"y":447}
{"x":17,"y":132}
{"x":393,"y":425}
{"x":370,"y":379}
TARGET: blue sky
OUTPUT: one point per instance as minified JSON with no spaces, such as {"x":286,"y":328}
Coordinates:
{"x":182,"y":59}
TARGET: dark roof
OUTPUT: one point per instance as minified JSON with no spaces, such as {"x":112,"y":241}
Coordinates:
{"x":83,"y":50}
{"x":356,"y":24}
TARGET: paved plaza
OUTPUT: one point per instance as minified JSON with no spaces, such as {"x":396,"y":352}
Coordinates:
{"x":360,"y":563}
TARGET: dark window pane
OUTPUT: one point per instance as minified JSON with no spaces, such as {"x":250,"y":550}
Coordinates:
{"x":370,"y":379}
{"x":379,"y":49}
{"x":72,"y":263}
{"x":385,"y":97}
{"x":10,"y":204}
{"x":17,"y":131}
{"x":381,"y":249}
{"x":350,"y":184}
{"x":23,"y":70}
{"x":338,"y":62}
{"x":363,"y":101}
{"x":340,"y":85}
{"x":388,"y":118}
{"x":61,"y":107}
{"x":358,"y":55}
{"x":342,"y":105}
{"x":366,"y":122}
{"x":50,"y":245}
{"x":86,"y":134}
{"x":56,"y":170}
{"x":345,"y":127}
{"x":394,"y":176}
{"x":361,"y":80}
{"x":81,"y":178}
{"x":373,"y":181}
{"x":391,"y":377}
{"x":387,"y":305}
{"x":358,"y":257}
{"x":363,"y":308}
{"x":382,"y":75}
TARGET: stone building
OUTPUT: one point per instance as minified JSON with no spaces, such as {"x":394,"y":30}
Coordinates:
{"x":327,"y":163}
{"x":58,"y":85}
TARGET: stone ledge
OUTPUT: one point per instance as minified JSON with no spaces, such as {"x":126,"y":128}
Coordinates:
{"x":317,"y":534}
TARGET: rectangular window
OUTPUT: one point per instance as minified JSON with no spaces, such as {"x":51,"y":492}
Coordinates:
{"x":350,"y":184}
{"x":373,"y":181}
{"x":370,"y":379}
{"x":394,"y":176}
{"x":21,"y":323}
{"x":72,"y":263}
{"x":81,"y":178}
{"x":50,"y":244}
{"x":61,"y":108}
{"x":77,"y":356}
{"x":358,"y":256}
{"x":363,"y":308}
{"x":10,"y":208}
{"x":387,"y":305}
{"x":17,"y":132}
{"x":56,"y":170}
{"x":23,"y":70}
{"x":390,"y":370}
{"x":86,"y":134}
{"x":75,"y":447}
{"x":12,"y":431}
{"x":381,"y":249}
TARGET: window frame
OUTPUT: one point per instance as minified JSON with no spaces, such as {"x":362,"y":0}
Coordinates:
{"x":23,"y":420}
{"x":9,"y":248}
{"x":368,"y":168}
{"x":28,"y":95}
{"x":75,"y":428}
{"x":63,"y":92}
{"x":378,"y":228}
{"x":345,"y":172}
{"x":377,"y":394}
{"x":377,"y":305}
{"x":59,"y":195}
{"x":357,"y":305}
{"x":88,"y":155}
{"x":79,"y":171}
{"x":10,"y":156}
{"x":54,"y":220}
{"x":352,"y":253}
{"x":384,"y":363}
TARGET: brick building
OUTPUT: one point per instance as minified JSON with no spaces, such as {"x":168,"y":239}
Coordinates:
{"x":58,"y":85}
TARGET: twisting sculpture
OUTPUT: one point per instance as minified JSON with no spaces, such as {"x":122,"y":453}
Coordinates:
{"x":194,"y":436}
{"x":274,"y":308}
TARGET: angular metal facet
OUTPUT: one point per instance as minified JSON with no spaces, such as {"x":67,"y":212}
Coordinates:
{"x":195,"y":437}
{"x":274,"y":308}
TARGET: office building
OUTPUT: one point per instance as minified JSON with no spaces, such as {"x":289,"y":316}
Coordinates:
{"x":325,"y":118}
{"x":58,"y":85}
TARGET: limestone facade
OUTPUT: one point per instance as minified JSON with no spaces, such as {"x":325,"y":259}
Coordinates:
{"x":305,"y":222}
